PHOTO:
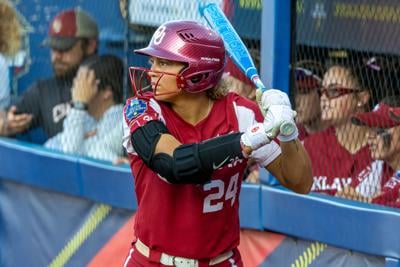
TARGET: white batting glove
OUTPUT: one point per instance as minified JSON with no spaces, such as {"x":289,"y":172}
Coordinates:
{"x":255,"y":136}
{"x":279,"y":122}
{"x":271,"y":97}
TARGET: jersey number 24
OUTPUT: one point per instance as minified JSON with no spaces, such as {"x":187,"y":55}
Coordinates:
{"x":215,"y":201}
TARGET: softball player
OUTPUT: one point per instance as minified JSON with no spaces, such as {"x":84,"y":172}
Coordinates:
{"x":188,"y":143}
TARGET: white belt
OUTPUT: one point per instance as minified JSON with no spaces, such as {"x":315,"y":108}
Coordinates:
{"x":170,"y":260}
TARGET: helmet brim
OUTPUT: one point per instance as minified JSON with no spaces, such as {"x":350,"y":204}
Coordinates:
{"x":164,"y":54}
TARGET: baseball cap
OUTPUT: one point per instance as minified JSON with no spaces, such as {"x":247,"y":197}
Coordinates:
{"x":307,"y":74}
{"x":380,"y":117}
{"x":68,"y":27}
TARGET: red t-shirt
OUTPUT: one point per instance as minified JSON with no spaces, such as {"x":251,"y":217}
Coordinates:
{"x":194,"y":221}
{"x":333,"y":166}
{"x":390,"y":193}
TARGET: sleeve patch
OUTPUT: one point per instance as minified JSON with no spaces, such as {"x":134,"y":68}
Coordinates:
{"x":135,"y":108}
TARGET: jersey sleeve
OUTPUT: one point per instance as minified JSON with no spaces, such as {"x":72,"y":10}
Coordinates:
{"x":137,"y":112}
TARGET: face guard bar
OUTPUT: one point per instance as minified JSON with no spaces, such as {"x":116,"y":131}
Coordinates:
{"x":142,"y":83}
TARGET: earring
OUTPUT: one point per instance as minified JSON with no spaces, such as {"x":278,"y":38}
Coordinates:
{"x":359,"y":104}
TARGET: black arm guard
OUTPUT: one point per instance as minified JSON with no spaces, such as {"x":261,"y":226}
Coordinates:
{"x":145,"y":139}
{"x":194,"y":163}
{"x":190,"y":163}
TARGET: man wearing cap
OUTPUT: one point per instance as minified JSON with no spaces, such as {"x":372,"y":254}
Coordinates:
{"x":384,"y":142}
{"x":72,"y":38}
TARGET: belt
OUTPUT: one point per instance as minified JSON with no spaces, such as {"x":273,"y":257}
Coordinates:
{"x":170,"y":260}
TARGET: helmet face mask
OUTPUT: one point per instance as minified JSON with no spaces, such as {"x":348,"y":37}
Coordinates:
{"x":141,"y":81}
{"x":189,"y":42}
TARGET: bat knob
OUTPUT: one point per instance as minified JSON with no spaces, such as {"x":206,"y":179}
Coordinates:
{"x":287,"y":128}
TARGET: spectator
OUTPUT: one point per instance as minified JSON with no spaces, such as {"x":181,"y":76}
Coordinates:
{"x":384,"y":141}
{"x":307,"y":84}
{"x":10,"y":31}
{"x":72,"y":38}
{"x":340,"y":154}
{"x":91,"y":127}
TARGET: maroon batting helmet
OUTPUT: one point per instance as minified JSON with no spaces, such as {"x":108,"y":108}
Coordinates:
{"x":191,"y":43}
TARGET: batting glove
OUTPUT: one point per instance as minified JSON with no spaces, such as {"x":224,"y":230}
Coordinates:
{"x":279,"y":122}
{"x":271,"y":97}
{"x":255,"y":136}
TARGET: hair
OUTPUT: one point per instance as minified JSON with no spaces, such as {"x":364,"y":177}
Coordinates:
{"x":370,"y":73}
{"x":109,"y":70}
{"x":392,"y":101}
{"x":85,"y":44}
{"x":218,"y":91}
{"x":317,"y":68}
{"x":10,"y":29}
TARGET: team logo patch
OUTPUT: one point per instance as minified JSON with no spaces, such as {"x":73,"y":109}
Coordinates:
{"x":136,"y":107}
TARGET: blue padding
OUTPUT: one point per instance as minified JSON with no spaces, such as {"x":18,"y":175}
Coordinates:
{"x":40,"y":167}
{"x":344,"y":223}
{"x":392,"y":262}
{"x":31,"y":165}
{"x":249,"y":209}
{"x":104,"y":182}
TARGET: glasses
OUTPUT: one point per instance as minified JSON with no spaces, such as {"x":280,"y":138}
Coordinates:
{"x":335,"y":92}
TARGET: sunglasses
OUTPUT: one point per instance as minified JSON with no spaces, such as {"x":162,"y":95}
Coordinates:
{"x":335,"y":92}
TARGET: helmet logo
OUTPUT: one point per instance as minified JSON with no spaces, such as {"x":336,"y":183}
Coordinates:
{"x":159,"y":35}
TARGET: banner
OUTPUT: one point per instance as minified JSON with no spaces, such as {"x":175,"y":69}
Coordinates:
{"x":363,"y":25}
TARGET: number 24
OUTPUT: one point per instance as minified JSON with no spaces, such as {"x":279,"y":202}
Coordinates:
{"x":218,"y":196}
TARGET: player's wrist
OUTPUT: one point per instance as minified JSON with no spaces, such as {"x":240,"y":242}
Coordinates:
{"x":246,"y":150}
{"x":253,"y":138}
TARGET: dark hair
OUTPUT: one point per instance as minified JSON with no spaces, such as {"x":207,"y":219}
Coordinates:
{"x":313,"y":66}
{"x":372,"y":73}
{"x":392,"y":101}
{"x":109,"y":70}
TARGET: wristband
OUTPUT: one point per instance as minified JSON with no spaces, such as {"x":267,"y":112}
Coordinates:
{"x":79,"y":105}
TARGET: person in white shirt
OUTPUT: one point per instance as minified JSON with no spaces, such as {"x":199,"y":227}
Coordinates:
{"x":93,"y":127}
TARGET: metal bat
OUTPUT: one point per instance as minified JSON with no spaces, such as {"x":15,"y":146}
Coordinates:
{"x":236,"y":49}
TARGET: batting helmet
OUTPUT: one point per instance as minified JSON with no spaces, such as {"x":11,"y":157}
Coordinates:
{"x":193,"y":44}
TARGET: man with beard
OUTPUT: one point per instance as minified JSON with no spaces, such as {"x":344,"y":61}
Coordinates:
{"x":72,"y":38}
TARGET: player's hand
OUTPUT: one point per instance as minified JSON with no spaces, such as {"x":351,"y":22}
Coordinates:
{"x":271,"y":97}
{"x":85,"y":85}
{"x":253,"y":138}
{"x":279,"y":122}
{"x":17,"y":123}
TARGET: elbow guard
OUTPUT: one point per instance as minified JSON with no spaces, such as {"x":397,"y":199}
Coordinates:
{"x":145,"y":139}
{"x":194,"y":163}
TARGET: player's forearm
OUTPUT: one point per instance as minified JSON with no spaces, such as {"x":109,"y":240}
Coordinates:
{"x":296,"y":166}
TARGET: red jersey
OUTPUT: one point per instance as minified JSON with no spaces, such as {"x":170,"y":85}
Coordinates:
{"x":303,"y":134}
{"x":390,"y":192}
{"x":334,"y":167}
{"x":193,"y":221}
